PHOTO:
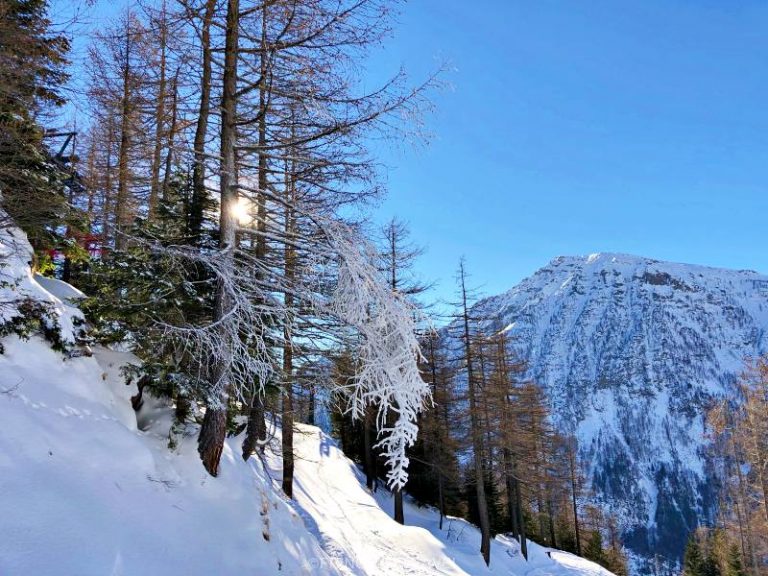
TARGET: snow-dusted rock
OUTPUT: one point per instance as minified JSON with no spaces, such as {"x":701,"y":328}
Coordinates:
{"x":631,"y":352}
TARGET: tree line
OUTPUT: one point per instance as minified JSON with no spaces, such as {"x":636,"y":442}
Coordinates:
{"x":487,"y":450}
{"x":737,"y":542}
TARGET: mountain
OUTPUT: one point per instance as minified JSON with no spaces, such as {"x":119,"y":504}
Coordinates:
{"x":630,"y":352}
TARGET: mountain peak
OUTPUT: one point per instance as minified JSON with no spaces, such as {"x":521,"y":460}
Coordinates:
{"x":600,"y":260}
{"x":630,"y":352}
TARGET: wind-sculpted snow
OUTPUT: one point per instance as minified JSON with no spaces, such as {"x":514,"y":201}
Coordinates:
{"x":631,"y":352}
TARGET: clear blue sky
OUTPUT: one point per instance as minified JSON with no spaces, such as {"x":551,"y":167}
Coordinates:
{"x":573,"y":127}
{"x":578,"y":127}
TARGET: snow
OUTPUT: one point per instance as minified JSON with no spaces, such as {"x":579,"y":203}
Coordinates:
{"x":630,"y":352}
{"x":360,"y":534}
{"x":85,"y":491}
{"x":89,"y":487}
{"x":18,"y":283}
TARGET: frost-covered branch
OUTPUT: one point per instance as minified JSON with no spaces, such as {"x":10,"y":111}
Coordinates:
{"x":388,"y":375}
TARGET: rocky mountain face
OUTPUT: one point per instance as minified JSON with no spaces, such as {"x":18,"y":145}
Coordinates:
{"x":631,"y":352}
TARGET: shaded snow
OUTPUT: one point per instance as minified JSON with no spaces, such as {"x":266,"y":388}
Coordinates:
{"x":18,"y":283}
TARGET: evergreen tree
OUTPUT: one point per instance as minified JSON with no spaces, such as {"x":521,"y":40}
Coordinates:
{"x":33,"y":60}
{"x":594,"y":547}
{"x":734,"y":566}
{"x":693,"y":561}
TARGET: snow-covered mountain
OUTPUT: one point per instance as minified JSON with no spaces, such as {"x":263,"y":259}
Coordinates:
{"x":630,"y":352}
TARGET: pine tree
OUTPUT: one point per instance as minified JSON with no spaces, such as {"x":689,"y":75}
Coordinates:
{"x":594,"y":547}
{"x":476,"y":430}
{"x":693,"y":562}
{"x":33,"y":59}
{"x":734,"y":566}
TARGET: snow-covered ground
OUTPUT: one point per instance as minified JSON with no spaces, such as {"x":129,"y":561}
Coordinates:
{"x":88,"y":489}
{"x":361,"y":538}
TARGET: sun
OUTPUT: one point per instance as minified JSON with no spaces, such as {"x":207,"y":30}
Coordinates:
{"x":242,"y":211}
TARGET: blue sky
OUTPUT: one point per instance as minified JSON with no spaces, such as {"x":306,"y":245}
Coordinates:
{"x":573,"y":127}
{"x":584,"y":126}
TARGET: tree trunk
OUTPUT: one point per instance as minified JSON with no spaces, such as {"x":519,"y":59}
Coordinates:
{"x":477,"y":435}
{"x":290,"y":273}
{"x":261,"y":223}
{"x":399,"y":514}
{"x":199,"y":194}
{"x":213,"y":430}
{"x":256,"y":434}
{"x":509,"y":483}
{"x":311,"y":405}
{"x":122,"y":210}
{"x":171,"y":135}
{"x":370,"y":461}
{"x":159,"y":121}
{"x":210,"y":443}
{"x":521,"y":519}
{"x":106,"y":208}
{"x":574,"y":494}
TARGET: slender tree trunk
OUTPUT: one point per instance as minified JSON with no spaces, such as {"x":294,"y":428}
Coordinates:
{"x":256,"y":427}
{"x":199,"y":194}
{"x":399,"y":514}
{"x":159,"y":120}
{"x":290,"y":273}
{"x":521,"y":518}
{"x":122,"y":208}
{"x":551,"y":517}
{"x":106,"y":209}
{"x":370,"y":461}
{"x":509,"y":483}
{"x":311,"y":405}
{"x":261,"y":224}
{"x":477,"y":437}
{"x":213,"y":430}
{"x":440,"y":497}
{"x":171,"y":135}
{"x":574,"y":494}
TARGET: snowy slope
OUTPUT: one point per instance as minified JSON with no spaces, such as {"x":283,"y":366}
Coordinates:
{"x":84,"y":491}
{"x":631,"y":352}
{"x":88,"y":487}
{"x":357,"y":531}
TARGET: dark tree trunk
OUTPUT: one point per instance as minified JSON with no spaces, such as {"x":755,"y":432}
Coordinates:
{"x":311,"y":406}
{"x":287,"y":429}
{"x":475,"y":430}
{"x":572,"y":467}
{"x":213,"y":430}
{"x":399,"y":514}
{"x":256,"y":434}
{"x":199,"y":194}
{"x":521,"y":519}
{"x":509,"y":483}
{"x":210,"y":443}
{"x":370,"y":460}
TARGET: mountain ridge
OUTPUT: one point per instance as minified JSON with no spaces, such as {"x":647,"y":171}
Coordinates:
{"x":631,"y":351}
